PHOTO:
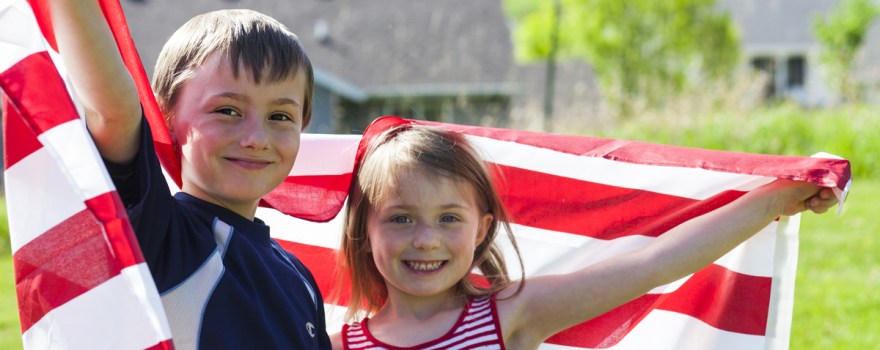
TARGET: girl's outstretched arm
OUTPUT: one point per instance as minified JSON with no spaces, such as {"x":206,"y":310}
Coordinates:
{"x":549,"y":304}
{"x":103,"y":85}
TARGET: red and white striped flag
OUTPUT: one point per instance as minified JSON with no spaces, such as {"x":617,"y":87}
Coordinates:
{"x":577,"y":200}
{"x":573,"y":200}
{"x":81,"y":279}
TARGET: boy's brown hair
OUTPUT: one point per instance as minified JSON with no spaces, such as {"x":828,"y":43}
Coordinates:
{"x":249,"y":40}
{"x":421,"y":150}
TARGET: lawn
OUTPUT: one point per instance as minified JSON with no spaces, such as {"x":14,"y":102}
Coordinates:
{"x":837,"y":296}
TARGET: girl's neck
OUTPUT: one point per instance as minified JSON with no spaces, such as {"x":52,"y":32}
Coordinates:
{"x":411,"y":321}
{"x":400,"y":306}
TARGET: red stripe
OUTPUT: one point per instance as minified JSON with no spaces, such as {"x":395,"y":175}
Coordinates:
{"x":35,"y":88}
{"x":719,"y":297}
{"x":563,"y":204}
{"x":18,"y":140}
{"x":322,"y":263}
{"x":61,"y":264}
{"x":161,"y":138}
{"x":716,"y":296}
{"x":825,"y":172}
{"x":44,"y":20}
{"x":315,"y":198}
{"x":74,"y":257}
{"x":109,"y":210}
{"x":163,"y":345}
{"x":533,"y":199}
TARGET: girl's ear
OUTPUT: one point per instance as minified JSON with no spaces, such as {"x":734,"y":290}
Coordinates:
{"x":483,"y":230}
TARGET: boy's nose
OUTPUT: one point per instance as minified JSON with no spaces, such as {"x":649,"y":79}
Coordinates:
{"x":253,"y":134}
{"x":425,"y":238}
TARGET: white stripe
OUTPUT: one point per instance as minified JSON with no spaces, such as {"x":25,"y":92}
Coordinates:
{"x":31,"y":184}
{"x":544,"y":251}
{"x":677,"y":181}
{"x":670,"y":330}
{"x":540,"y":257}
{"x":19,"y":34}
{"x":782,"y":289}
{"x":73,"y":148}
{"x":321,"y":154}
{"x":108,"y":316}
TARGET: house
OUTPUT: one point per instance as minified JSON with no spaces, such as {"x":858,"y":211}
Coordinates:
{"x":448,"y":60}
{"x":778,"y":38}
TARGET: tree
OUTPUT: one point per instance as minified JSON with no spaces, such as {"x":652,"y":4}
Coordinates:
{"x":841,"y":33}
{"x":640,"y":49}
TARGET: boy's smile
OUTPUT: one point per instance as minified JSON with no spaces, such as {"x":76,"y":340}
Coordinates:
{"x":238,"y":139}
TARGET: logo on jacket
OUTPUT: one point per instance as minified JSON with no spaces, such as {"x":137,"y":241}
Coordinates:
{"x":311,"y":329}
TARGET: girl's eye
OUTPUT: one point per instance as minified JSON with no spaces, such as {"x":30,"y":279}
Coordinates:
{"x":400,"y":219}
{"x":228,"y":111}
{"x":449,"y":219}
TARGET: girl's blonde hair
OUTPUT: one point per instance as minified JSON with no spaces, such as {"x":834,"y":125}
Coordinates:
{"x":425,"y":150}
{"x":248,"y":39}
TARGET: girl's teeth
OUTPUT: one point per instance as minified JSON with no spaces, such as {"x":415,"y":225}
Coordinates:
{"x":424,"y":266}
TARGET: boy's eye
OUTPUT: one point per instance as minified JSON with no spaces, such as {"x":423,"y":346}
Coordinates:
{"x":449,"y":219}
{"x":280,"y":117}
{"x":400,"y":219}
{"x":228,"y":111}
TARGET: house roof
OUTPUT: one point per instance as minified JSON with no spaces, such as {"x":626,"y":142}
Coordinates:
{"x":368,"y":48}
{"x":777,"y":24}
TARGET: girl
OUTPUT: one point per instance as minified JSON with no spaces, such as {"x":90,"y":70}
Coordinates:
{"x":423,"y":213}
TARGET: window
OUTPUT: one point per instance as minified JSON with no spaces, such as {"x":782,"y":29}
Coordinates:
{"x":796,"y":71}
{"x":768,"y":66}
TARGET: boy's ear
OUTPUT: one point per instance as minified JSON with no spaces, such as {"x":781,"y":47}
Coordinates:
{"x":170,"y":126}
{"x":483,"y":230}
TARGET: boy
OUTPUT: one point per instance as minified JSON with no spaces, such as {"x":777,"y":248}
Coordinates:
{"x":235,"y":88}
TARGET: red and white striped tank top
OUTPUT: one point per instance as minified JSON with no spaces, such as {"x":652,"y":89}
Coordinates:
{"x":476,"y":328}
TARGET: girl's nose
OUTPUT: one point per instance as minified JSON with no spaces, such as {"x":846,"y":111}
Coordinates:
{"x":425,"y":238}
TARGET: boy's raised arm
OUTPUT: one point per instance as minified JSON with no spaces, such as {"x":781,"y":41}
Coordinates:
{"x":102,"y":84}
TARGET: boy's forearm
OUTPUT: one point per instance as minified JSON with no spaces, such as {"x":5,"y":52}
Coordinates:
{"x":102,"y":84}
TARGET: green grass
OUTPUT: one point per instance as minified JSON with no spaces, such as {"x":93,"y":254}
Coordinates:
{"x":10,"y":331}
{"x":837,"y":291}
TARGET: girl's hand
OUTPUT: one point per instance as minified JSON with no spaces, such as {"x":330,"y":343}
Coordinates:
{"x":800,"y":196}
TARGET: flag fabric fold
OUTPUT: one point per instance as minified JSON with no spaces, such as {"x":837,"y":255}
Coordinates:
{"x":574,"y":201}
{"x":82,"y":283}
{"x":80,"y":277}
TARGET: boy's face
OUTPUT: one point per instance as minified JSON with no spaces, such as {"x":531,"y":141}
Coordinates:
{"x":238,"y":140}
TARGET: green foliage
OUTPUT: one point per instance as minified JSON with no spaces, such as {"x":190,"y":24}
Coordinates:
{"x":10,"y":330}
{"x":841,"y":34}
{"x":838,"y":276}
{"x":5,"y":245}
{"x":784,"y":129}
{"x":640,"y":49}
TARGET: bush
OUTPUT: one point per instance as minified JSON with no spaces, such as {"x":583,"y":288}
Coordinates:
{"x":5,"y":246}
{"x":784,"y":129}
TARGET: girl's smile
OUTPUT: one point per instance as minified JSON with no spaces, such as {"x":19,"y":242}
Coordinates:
{"x":423,"y":237}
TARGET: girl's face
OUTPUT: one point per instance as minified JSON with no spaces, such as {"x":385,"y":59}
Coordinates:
{"x":423,"y":236}
{"x":238,"y":140}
